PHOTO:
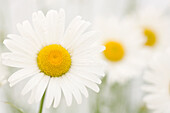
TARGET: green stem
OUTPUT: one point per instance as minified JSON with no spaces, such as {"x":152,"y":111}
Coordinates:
{"x":42,"y":103}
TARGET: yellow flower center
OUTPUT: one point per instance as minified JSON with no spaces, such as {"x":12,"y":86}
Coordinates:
{"x":151,"y":37}
{"x":114,"y":51}
{"x":54,"y":60}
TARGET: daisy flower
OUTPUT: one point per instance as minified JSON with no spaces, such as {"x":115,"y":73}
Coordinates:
{"x":154,"y":27}
{"x":123,"y":45}
{"x":57,"y":60}
{"x":157,"y":85}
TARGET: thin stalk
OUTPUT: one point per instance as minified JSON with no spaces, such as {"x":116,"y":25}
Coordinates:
{"x":42,"y":103}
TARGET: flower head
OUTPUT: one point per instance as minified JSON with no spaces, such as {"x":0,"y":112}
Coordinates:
{"x":157,"y":86}
{"x":123,"y":46}
{"x":154,"y":28}
{"x":54,"y":58}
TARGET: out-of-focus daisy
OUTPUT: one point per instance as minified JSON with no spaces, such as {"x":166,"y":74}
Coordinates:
{"x":57,"y":60}
{"x":158,"y":84}
{"x":154,"y":27}
{"x":123,"y":45}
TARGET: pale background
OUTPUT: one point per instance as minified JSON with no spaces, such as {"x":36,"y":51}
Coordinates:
{"x":14,"y":11}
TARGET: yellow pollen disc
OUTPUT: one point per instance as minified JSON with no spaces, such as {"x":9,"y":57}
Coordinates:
{"x":114,"y":51}
{"x":54,"y":60}
{"x":151,"y":37}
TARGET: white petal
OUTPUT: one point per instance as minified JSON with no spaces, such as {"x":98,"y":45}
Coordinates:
{"x":38,"y":19}
{"x":74,"y":40}
{"x":32,"y":83}
{"x":50,"y":92}
{"x":74,"y":89}
{"x":13,"y":36}
{"x":149,"y":88}
{"x":18,"y":46}
{"x":19,"y":58}
{"x":21,"y":74}
{"x":70,"y":29}
{"x":61,"y":25}
{"x":20,"y":29}
{"x":16,"y":64}
{"x":41,"y":87}
{"x":27,"y":44}
{"x":28,"y":32}
{"x":87,"y":38}
{"x":79,"y":84}
{"x":89,"y":51}
{"x":89,"y":84}
{"x":55,"y":26}
{"x":88,"y":76}
{"x":66,"y":92}
{"x":77,"y":96}
{"x":32,"y":97}
{"x":52,"y":26}
{"x":57,"y":93}
{"x":95,"y":69}
{"x":74,"y":33}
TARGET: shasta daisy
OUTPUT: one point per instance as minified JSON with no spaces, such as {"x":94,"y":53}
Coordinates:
{"x":57,"y":60}
{"x":154,"y":27}
{"x":123,"y":45}
{"x":157,"y":86}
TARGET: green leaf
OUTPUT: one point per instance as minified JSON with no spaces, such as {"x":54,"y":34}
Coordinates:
{"x":13,"y":106}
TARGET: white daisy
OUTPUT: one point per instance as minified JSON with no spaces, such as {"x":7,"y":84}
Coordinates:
{"x":154,"y":27}
{"x":158,"y":84}
{"x":57,"y":60}
{"x":123,"y":45}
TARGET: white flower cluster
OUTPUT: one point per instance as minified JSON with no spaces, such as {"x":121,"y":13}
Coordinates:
{"x":60,"y":61}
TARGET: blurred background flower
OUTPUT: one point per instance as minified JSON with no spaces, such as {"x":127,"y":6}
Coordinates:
{"x":158,"y":83}
{"x":123,"y":46}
